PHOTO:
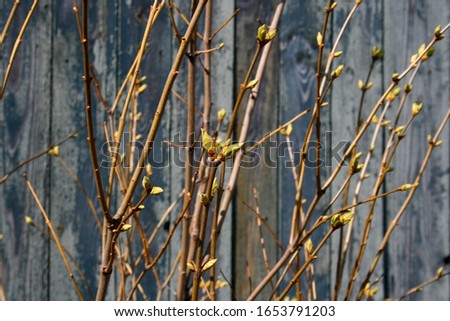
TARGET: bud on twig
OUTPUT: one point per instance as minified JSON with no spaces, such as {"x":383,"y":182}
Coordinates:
{"x":209,"y":264}
{"x":377,"y":53}
{"x":337,"y":72}
{"x":416,"y":108}
{"x":287,"y":131}
{"x":125,"y":227}
{"x":393,"y":94}
{"x":146,"y":184}
{"x":54,"y":151}
{"x":319,"y":39}
{"x":221,"y":114}
{"x":309,"y":246}
{"x":438,"y":34}
{"x":252,"y":84}
{"x":29,"y":220}
{"x":156,"y":190}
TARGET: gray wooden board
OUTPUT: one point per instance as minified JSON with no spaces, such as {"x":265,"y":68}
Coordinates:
{"x":70,"y":213}
{"x":155,"y":66}
{"x":25,"y":131}
{"x":298,"y":63}
{"x":44,"y":102}
{"x":249,"y":266}
{"x":356,"y":45}
{"x":421,"y":240}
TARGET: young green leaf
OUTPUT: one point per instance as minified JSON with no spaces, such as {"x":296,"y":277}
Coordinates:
{"x":126,"y":227}
{"x":337,"y":72}
{"x":208,"y":142}
{"x":209,"y":264}
{"x":29,"y":220}
{"x":309,"y":246}
{"x":252,"y":84}
{"x":204,"y":199}
{"x":156,"y":190}
{"x":191,"y":266}
{"x":271,"y":34}
{"x":229,"y":151}
{"x":416,"y":108}
{"x":287,"y":131}
{"x":221,"y":114}
{"x":406,"y":187}
{"x":54,"y":151}
{"x":215,"y":187}
{"x":146,"y":184}
{"x":319,"y":39}
{"x":261,"y":36}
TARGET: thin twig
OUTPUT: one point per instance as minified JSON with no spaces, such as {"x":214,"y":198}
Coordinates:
{"x":55,"y":237}
{"x":9,"y":21}
{"x":420,"y":287}
{"x":17,"y":44}
{"x":401,"y":211}
{"x":223,"y":25}
{"x":40,"y":154}
{"x":71,"y":258}
{"x":89,"y":120}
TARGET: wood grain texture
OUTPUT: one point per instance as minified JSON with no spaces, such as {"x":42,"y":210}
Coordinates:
{"x":259,"y":171}
{"x":222,"y":63}
{"x":25,"y":130}
{"x":298,"y":64}
{"x":421,"y":240}
{"x":155,"y":66}
{"x":362,"y":34}
{"x":44,"y":102}
{"x":70,"y":213}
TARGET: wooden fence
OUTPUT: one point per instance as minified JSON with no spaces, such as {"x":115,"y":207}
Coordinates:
{"x":44,"y":103}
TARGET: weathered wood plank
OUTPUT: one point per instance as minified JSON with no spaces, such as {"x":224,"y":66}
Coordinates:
{"x":155,"y":66}
{"x":356,"y":45}
{"x":70,"y":212}
{"x":25,"y":127}
{"x":421,"y":239}
{"x":298,"y":63}
{"x":44,"y":102}
{"x":260,"y":172}
{"x":221,"y":97}
{"x":222,"y":88}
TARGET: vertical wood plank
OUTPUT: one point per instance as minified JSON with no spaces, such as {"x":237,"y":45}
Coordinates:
{"x":69,"y":209}
{"x":24,"y":131}
{"x":155,"y":66}
{"x":421,"y":239}
{"x":222,"y":63}
{"x":222,"y":92}
{"x":298,"y":63}
{"x":363,"y":32}
{"x":260,"y":172}
{"x":177,"y":133}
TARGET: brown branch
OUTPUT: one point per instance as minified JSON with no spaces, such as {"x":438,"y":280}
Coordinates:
{"x":189,"y":159}
{"x":227,"y":196}
{"x":9,"y":21}
{"x":17,"y":44}
{"x":89,"y":121}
